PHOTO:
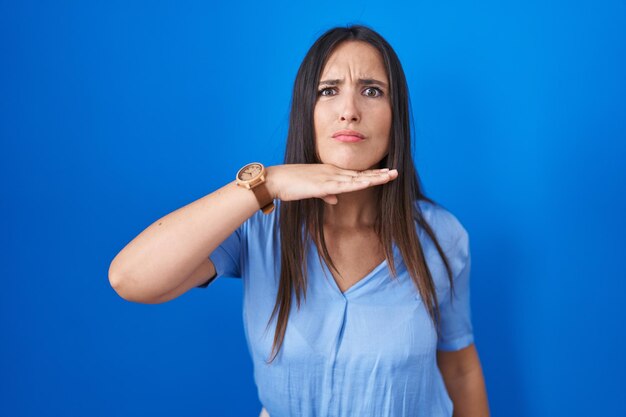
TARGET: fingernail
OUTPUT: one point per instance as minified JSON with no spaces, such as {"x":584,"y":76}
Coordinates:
{"x":383,"y":170}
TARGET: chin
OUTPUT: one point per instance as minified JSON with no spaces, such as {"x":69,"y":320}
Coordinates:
{"x":352,"y":158}
{"x":352,"y":164}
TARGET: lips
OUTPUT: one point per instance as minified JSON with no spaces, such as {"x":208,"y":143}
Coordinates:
{"x":348,"y":136}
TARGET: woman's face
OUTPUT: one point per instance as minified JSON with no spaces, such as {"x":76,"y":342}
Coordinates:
{"x":353,"y":94}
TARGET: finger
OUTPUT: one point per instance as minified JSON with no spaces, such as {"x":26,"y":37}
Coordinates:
{"x":377,"y":171}
{"x":371,"y":180}
{"x":383,"y":178}
{"x":370,"y":174}
{"x":354,"y":173}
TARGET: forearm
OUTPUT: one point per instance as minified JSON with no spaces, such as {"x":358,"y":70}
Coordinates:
{"x":468,"y":394}
{"x":162,"y":256}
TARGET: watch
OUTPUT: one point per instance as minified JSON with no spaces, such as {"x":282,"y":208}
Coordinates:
{"x":252,"y":177}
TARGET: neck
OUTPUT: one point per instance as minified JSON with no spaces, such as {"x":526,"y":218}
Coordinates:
{"x":353,"y":210}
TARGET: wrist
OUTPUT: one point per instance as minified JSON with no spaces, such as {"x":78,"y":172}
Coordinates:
{"x":270,"y":181}
{"x":252,"y":177}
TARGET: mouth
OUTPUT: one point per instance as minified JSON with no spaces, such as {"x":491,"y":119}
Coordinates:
{"x":348,"y":136}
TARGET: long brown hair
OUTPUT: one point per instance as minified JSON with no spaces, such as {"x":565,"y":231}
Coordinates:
{"x":298,"y":219}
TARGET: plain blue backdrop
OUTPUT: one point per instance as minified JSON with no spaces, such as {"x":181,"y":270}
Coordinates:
{"x":116,"y":113}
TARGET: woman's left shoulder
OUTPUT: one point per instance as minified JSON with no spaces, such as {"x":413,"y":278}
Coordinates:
{"x":452,"y":237}
{"x":447,"y":227}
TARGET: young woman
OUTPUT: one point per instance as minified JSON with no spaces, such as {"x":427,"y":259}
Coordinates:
{"x":356,"y":285}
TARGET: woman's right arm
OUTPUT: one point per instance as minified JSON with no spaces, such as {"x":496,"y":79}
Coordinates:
{"x":171,"y":255}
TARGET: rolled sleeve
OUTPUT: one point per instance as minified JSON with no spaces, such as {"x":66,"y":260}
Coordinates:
{"x":227,"y":258}
{"x":456,"y":330}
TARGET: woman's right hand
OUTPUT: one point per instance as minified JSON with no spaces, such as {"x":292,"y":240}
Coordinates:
{"x":300,"y":181}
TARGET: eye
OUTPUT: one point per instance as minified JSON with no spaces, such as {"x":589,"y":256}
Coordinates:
{"x":377,"y":92}
{"x":323,"y":91}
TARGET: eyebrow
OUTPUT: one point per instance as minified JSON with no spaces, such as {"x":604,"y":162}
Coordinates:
{"x":361,"y":81}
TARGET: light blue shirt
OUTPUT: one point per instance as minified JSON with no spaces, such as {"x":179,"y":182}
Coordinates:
{"x":367,"y":352}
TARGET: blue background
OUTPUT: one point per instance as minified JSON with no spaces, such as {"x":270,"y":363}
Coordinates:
{"x":116,"y":113}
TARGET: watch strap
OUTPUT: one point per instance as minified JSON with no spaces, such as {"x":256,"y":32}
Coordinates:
{"x":264,"y":198}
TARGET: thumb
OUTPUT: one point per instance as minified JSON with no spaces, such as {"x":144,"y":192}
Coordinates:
{"x":330,"y":199}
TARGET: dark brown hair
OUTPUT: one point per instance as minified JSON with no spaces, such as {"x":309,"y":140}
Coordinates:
{"x":302,"y":219}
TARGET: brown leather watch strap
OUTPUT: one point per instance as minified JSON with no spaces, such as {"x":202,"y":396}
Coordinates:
{"x":264,"y":198}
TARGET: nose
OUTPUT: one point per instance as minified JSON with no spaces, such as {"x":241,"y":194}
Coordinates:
{"x":349,"y":110}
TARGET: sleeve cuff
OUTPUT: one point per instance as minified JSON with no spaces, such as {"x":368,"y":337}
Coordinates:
{"x":456,"y":344}
{"x":210,"y":280}
{"x":224,"y":265}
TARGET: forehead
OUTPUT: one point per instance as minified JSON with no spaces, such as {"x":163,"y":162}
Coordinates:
{"x":359,"y":58}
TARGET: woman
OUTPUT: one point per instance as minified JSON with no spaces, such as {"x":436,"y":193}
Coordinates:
{"x":356,"y":285}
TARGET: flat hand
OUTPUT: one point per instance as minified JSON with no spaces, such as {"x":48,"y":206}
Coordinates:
{"x":300,"y":181}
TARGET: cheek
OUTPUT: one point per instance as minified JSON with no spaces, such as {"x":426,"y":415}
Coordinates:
{"x":317,"y":121}
{"x":321,"y":115}
{"x":323,"y":123}
{"x":383,"y":119}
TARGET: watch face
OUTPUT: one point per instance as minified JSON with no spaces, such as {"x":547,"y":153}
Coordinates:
{"x":249,"y":172}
